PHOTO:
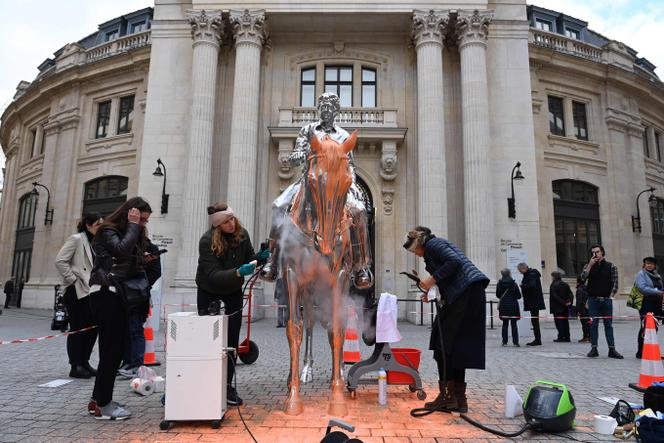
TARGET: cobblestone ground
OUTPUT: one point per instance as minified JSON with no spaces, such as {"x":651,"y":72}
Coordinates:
{"x":29,"y":413}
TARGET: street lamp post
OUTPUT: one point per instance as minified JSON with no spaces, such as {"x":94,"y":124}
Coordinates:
{"x":164,"y":197}
{"x":48,"y":217}
{"x":511,"y":206}
{"x":636,"y":221}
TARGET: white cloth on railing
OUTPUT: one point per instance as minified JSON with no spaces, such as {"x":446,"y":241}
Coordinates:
{"x":386,"y":319}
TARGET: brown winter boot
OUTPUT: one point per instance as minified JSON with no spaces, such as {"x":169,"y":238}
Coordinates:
{"x":460,"y":394}
{"x":445,"y":399}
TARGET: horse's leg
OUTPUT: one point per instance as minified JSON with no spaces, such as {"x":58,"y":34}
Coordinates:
{"x":294,"y":333}
{"x":307,"y":375}
{"x":337,"y":401}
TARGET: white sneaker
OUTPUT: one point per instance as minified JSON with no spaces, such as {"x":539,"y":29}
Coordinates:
{"x":111,"y":411}
{"x":127,"y":373}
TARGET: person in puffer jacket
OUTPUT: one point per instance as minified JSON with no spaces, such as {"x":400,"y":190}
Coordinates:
{"x":461,"y":321}
{"x":118,"y":247}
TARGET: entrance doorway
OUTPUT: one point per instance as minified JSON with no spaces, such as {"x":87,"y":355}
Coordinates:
{"x":25,"y":235}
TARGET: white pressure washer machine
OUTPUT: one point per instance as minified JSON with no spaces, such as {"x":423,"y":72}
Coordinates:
{"x":196,"y":358}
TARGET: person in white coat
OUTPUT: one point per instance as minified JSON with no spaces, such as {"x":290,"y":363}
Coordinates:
{"x":74,"y":263}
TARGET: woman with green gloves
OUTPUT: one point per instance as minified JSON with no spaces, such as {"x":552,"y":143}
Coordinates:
{"x":225,"y":257}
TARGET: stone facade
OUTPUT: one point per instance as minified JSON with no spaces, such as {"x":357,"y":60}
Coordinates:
{"x":462,"y":93}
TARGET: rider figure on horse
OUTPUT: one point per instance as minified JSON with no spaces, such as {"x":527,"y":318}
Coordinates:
{"x":328,"y":109}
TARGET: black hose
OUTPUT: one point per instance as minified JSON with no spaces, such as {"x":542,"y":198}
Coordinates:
{"x":528,"y":425}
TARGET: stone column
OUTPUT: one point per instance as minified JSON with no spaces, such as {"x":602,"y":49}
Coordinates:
{"x":206,"y":31}
{"x":428,"y":32}
{"x":478,"y":196}
{"x":249,"y":34}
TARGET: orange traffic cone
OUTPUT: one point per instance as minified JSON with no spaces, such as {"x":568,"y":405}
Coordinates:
{"x":149,"y":358}
{"x":651,"y":363}
{"x":352,"y":339}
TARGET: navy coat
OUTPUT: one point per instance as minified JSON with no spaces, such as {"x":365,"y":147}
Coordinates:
{"x":531,"y":288}
{"x":463,"y":316}
{"x":508,"y":292}
{"x":559,"y":295}
{"x":453,"y":271}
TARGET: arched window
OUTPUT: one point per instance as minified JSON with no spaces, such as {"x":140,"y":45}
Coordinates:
{"x":576,"y":215}
{"x":105,"y":194}
{"x":25,"y":234}
{"x":369,"y":206}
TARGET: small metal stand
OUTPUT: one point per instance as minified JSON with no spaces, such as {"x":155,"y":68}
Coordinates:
{"x":382,"y":357}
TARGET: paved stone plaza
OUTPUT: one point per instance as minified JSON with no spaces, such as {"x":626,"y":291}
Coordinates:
{"x":29,"y":413}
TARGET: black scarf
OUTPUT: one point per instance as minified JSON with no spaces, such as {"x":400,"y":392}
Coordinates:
{"x":656,"y":278}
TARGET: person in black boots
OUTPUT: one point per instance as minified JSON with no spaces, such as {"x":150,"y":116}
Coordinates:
{"x":225,"y":258}
{"x":533,"y":298}
{"x":582,"y":309}
{"x":649,"y":283}
{"x":560,"y":299}
{"x":508,"y":308}
{"x":602,"y":282}
{"x":74,"y":263}
{"x":117,"y":276}
{"x":458,"y":334}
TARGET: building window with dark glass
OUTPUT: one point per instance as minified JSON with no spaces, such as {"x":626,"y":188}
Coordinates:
{"x":126,"y":115}
{"x":658,"y":147}
{"x":308,"y":88}
{"x":113,"y":35}
{"x":368,"y":88}
{"x":580,"y":120}
{"x":556,"y":119}
{"x":33,"y":145}
{"x":577,"y":223}
{"x":339,"y":80}
{"x":543,"y":25}
{"x":646,"y":148}
{"x":572,"y":33}
{"x":139,"y":27}
{"x":103,"y":119}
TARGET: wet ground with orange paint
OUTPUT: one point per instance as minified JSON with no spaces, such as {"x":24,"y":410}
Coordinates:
{"x":29,"y":413}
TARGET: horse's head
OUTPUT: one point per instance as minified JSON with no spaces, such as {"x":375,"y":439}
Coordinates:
{"x":328,"y":180}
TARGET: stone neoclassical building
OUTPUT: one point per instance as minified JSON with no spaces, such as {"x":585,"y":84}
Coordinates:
{"x":447,"y":96}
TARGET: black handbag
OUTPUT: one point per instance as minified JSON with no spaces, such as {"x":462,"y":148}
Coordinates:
{"x":134,"y":292}
{"x":623,"y":413}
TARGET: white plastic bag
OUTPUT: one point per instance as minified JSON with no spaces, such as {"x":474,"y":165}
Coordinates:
{"x":386,"y":319}
{"x":513,"y":402}
{"x":145,"y":373}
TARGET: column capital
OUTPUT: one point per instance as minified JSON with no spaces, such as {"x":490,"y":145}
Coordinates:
{"x":429,"y":26}
{"x":249,"y":26}
{"x":206,"y":26}
{"x":473,"y":27}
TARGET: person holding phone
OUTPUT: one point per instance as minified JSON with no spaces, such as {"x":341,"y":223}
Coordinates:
{"x":137,"y":315}
{"x":602,"y":283}
{"x":225,"y":258}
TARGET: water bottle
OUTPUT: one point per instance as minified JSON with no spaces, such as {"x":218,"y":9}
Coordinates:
{"x":382,"y":387}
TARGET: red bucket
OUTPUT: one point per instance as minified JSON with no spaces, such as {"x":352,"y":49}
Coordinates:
{"x":408,"y":357}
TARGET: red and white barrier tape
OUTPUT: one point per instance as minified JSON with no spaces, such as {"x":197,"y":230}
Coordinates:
{"x":30,"y":340}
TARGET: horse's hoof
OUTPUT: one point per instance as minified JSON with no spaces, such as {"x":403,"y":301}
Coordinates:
{"x":337,"y":409}
{"x":294,"y":406}
{"x":307,"y":375}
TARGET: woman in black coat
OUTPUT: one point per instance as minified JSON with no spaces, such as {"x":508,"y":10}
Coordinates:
{"x":458,"y":334}
{"x":119,"y":247}
{"x":508,"y":308}
{"x":225,"y":257}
